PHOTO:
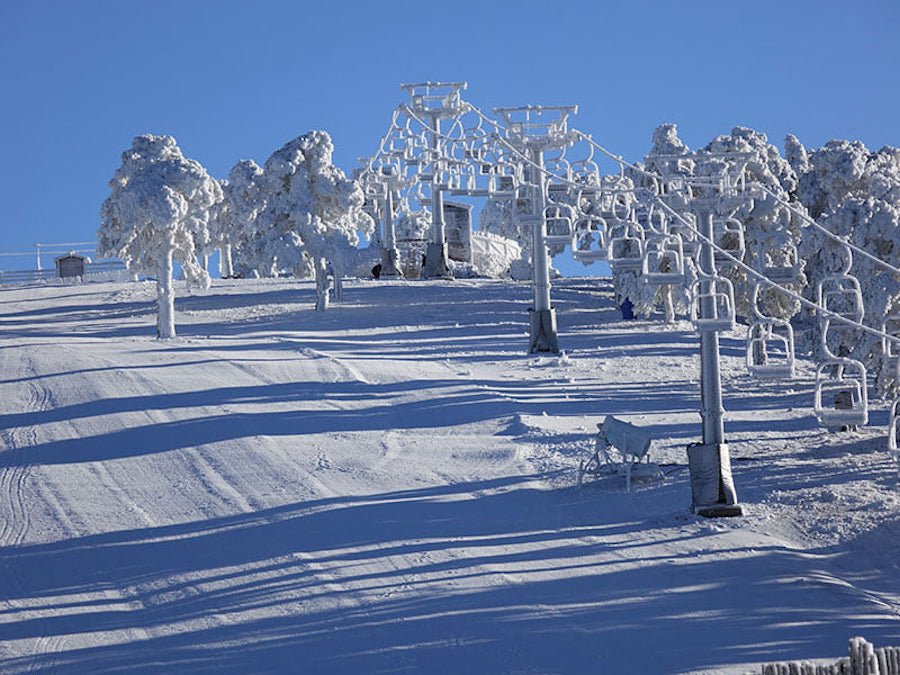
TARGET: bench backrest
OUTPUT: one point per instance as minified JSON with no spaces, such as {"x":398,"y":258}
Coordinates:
{"x":628,"y":438}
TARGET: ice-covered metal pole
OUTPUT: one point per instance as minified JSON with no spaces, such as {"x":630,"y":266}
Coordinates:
{"x":712,"y":484}
{"x":542,"y":317}
{"x":436,"y":252}
{"x":390,"y":258}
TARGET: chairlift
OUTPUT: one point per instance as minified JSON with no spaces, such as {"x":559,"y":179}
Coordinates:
{"x":586,"y":171}
{"x":770,"y":349}
{"x":840,"y":294}
{"x":558,"y":219}
{"x":890,"y":327}
{"x":657,"y":220}
{"x":717,"y":294}
{"x":622,"y":205}
{"x":894,"y":430}
{"x":663,"y":260}
{"x":728,"y":235}
{"x":626,"y":247}
{"x":841,"y":398}
{"x":558,"y":192}
{"x":780,"y":263}
{"x":502,"y":182}
{"x":690,"y":244}
{"x":590,"y":241}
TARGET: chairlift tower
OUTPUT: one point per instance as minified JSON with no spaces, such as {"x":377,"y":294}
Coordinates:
{"x":433,"y":102}
{"x":533,"y":130}
{"x":712,"y":484}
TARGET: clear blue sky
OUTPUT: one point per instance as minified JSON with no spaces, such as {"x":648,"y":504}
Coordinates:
{"x":233,"y":80}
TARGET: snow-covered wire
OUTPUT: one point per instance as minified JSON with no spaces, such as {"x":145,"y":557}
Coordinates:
{"x":828,"y":233}
{"x":761,"y":277}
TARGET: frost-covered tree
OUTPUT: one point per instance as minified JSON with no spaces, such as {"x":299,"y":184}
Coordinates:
{"x":221,"y":234}
{"x":157,"y":213}
{"x":854,"y":193}
{"x":312,"y":210}
{"x":244,"y":201}
{"x":770,"y":229}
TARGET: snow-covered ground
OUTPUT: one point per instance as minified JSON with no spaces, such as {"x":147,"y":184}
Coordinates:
{"x":389,"y":487}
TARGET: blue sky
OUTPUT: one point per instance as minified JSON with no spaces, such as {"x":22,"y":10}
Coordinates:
{"x":233,"y":80}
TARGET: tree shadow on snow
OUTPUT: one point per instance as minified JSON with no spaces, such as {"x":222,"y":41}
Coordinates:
{"x":430,"y":580}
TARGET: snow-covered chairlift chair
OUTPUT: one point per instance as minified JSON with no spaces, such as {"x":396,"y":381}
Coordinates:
{"x":841,"y":294}
{"x":770,"y":349}
{"x":770,"y":343}
{"x":663,"y":261}
{"x":626,"y":247}
{"x":558,"y":220}
{"x":728,"y":235}
{"x":841,"y":397}
{"x":720,"y":293}
{"x":632,"y":445}
{"x":590,"y":242}
{"x":503,"y":182}
{"x":781,"y":263}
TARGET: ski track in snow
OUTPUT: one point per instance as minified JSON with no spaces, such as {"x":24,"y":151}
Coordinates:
{"x":388,"y":487}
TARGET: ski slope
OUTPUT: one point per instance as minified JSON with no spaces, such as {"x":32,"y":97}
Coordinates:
{"x":389,"y":487}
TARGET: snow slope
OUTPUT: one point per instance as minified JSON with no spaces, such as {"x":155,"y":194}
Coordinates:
{"x":388,"y":487}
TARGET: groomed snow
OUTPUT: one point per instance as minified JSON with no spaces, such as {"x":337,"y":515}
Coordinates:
{"x":389,"y":487}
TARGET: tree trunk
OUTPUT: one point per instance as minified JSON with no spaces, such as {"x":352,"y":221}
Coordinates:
{"x":321,"y":284}
{"x":669,"y":305}
{"x":226,"y":266}
{"x":165,"y":297}
{"x":338,"y":282}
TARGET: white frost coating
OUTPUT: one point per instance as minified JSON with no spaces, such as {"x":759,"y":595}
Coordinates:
{"x":245,"y":200}
{"x":312,"y":210}
{"x":855,"y":193}
{"x":159,"y":211}
{"x":768,"y":226}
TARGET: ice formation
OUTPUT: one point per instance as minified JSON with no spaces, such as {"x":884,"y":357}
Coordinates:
{"x":158,"y":213}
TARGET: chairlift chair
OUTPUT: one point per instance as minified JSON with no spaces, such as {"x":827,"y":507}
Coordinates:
{"x":558,"y":219}
{"x":770,"y":349}
{"x":690,"y":244}
{"x":719,"y":295}
{"x":890,"y":348}
{"x":590,"y":241}
{"x":558,"y":192}
{"x":663,"y":260}
{"x":728,"y":235}
{"x":841,"y":398}
{"x":841,"y":294}
{"x":894,"y":430}
{"x":781,"y":263}
{"x":587,"y":172}
{"x":626,"y":247}
{"x":502,"y":183}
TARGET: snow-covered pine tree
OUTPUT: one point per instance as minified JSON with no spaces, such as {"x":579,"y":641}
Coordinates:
{"x":245,"y":201}
{"x":312,"y":210}
{"x":854,"y":193}
{"x":157,"y":213}
{"x":769,"y":228}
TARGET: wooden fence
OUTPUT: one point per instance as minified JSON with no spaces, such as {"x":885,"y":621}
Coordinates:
{"x":864,"y":659}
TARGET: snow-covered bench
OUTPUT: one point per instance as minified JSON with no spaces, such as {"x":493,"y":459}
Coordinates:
{"x":632,"y":444}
